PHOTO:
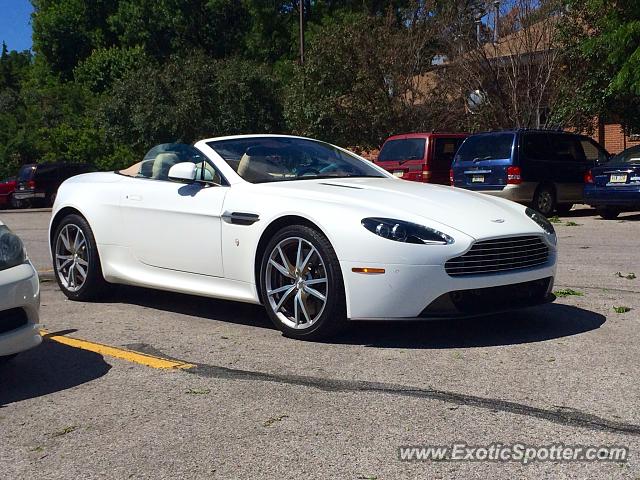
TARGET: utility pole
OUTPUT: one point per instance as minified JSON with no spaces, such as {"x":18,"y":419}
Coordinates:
{"x":496,"y":34}
{"x":301,"y":8}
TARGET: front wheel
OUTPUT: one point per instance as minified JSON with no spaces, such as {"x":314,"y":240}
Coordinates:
{"x":76,"y":262}
{"x":301,"y":284}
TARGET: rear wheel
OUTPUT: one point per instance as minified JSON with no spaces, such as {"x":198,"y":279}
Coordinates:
{"x":76,"y":262}
{"x":544,"y":200}
{"x":301,"y":284}
{"x":608,"y":213}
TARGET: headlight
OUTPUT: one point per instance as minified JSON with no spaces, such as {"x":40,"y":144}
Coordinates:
{"x":405,"y":232}
{"x":11,"y":249}
{"x":542,"y":221}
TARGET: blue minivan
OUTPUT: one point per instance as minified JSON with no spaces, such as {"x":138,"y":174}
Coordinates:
{"x":543,"y":168}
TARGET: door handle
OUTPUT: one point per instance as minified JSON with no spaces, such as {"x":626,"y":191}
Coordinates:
{"x":135,"y":198}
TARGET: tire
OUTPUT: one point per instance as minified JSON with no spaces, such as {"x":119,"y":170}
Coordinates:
{"x":563,"y":208}
{"x":544,"y":200}
{"x":72,"y":256}
{"x":298,"y":309}
{"x":608,"y":213}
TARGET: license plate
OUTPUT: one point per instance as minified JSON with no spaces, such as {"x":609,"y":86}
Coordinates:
{"x":398,"y":173}
{"x":618,"y":178}
{"x":477,"y":179}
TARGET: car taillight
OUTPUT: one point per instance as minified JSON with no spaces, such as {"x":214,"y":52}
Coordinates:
{"x":588,"y":177}
{"x":31,"y":184}
{"x":426,"y":173}
{"x":514,"y":175}
{"x":451,"y":176}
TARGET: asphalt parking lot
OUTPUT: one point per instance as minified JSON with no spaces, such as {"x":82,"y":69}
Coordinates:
{"x":255,"y":404}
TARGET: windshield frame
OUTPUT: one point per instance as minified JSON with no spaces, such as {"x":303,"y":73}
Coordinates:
{"x":233,"y":177}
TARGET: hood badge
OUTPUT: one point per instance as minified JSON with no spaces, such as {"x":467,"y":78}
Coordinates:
{"x":498,"y":220}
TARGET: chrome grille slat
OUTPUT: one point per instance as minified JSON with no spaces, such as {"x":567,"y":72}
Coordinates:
{"x":498,"y":261}
{"x":498,"y":264}
{"x":535,"y":251}
{"x":498,"y":255}
{"x":497,"y":249}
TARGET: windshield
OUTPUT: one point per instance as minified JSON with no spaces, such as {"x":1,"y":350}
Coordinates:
{"x":277,"y":159}
{"x":630,"y":155}
{"x":485,"y":147}
{"x":407,"y":149}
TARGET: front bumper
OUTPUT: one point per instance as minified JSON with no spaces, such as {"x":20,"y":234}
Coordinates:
{"x":22,"y":195}
{"x":408,"y":291}
{"x":19,"y":309}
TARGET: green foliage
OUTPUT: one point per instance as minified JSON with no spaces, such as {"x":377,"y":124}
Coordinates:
{"x":568,"y":292}
{"x":189,"y":98}
{"x":358,"y":83}
{"x":106,"y":65}
{"x":602,"y":44}
{"x":110,"y":78}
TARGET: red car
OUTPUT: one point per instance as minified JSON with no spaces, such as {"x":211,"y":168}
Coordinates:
{"x":421,"y":157}
{"x":7,"y":187}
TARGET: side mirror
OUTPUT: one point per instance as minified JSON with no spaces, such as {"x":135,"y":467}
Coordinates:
{"x":183,"y":172}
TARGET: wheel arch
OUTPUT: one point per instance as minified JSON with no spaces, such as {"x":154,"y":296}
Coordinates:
{"x":57,"y":218}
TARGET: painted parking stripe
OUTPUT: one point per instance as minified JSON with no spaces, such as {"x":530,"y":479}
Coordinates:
{"x":115,"y":352}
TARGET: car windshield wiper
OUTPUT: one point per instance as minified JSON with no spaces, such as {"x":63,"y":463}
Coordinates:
{"x":479,"y":159}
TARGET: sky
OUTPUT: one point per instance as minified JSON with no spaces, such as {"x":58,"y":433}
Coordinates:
{"x":15,"y":26}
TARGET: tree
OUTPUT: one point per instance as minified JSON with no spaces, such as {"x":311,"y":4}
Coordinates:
{"x":514,"y":82}
{"x":189,"y":98}
{"x":361,"y":81}
{"x":602,"y":44}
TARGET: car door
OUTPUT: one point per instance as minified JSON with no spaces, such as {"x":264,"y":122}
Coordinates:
{"x":535,"y":158}
{"x":174,"y":225}
{"x":569,"y":167}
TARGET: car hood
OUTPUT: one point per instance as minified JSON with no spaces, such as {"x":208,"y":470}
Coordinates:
{"x":475,"y":214}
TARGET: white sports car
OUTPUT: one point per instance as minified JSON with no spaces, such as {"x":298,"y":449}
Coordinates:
{"x":313,"y":232}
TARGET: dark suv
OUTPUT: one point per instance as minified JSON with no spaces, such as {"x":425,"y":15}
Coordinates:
{"x":538,"y":167}
{"x":37,"y":183}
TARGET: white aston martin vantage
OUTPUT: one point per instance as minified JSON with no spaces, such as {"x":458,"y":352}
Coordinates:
{"x":311,"y":231}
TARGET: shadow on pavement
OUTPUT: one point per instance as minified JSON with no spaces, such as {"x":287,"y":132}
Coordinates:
{"x":512,"y":328}
{"x":46,"y":369}
{"x":184,"y":304}
{"x":579,"y":212}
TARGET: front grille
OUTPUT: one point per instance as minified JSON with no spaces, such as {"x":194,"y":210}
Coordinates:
{"x":499,"y":255}
{"x":12,"y":319}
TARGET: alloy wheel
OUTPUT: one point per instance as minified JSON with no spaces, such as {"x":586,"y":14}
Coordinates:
{"x":72,"y":257}
{"x":296,"y":282}
{"x":545,"y":201}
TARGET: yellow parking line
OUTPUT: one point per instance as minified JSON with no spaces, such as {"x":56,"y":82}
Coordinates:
{"x":115,"y":352}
